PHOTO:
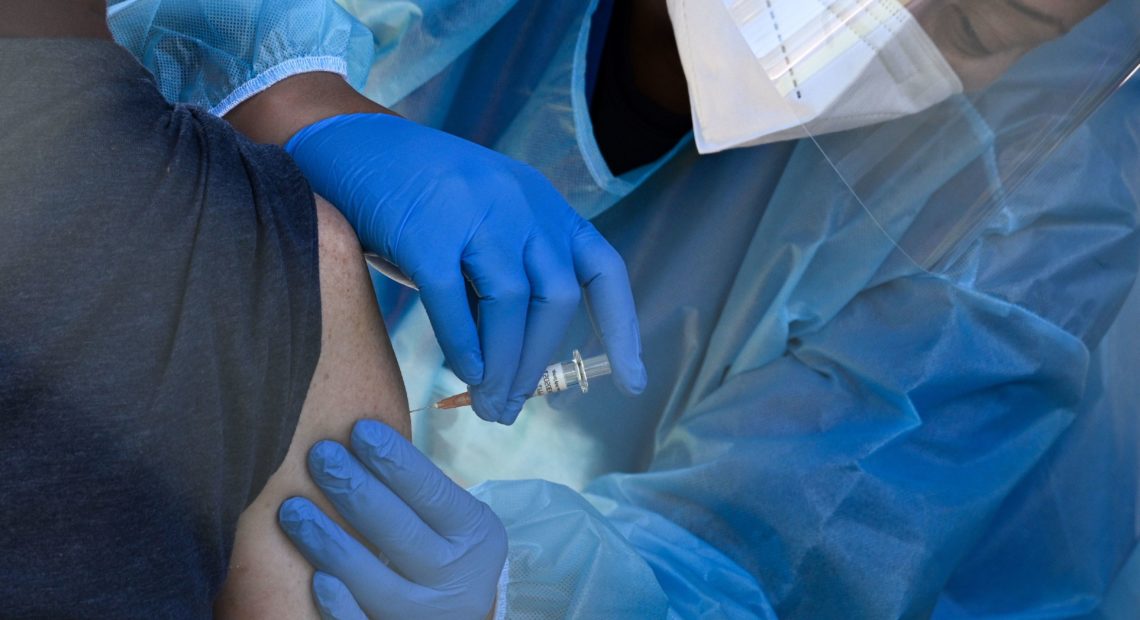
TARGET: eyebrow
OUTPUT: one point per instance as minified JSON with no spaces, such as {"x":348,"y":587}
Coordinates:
{"x":1050,"y":20}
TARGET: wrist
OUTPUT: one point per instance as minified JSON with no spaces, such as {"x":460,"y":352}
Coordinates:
{"x":274,"y":115}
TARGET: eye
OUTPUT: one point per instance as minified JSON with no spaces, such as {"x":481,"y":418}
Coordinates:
{"x":966,"y":38}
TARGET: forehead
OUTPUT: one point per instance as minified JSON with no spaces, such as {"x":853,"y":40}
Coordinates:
{"x":1066,"y":12}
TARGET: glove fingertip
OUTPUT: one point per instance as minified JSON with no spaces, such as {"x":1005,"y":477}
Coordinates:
{"x":334,"y":600}
{"x":486,"y":416}
{"x":469,"y":369}
{"x":632,"y":379}
{"x":323,"y":454}
{"x":513,"y":409}
{"x":296,"y":517}
{"x":294,"y":510}
{"x":484,"y":407}
{"x":372,"y":438}
{"x":327,"y":587}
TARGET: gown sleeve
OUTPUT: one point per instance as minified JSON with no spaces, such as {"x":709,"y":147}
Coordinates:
{"x":217,"y":53}
{"x":851,"y":476}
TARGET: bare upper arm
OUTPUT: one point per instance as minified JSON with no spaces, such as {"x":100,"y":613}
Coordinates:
{"x":356,"y":377}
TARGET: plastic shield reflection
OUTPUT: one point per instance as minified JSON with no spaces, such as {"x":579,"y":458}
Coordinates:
{"x":1034,"y":72}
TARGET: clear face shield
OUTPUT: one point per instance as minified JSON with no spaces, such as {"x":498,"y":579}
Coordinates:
{"x":934,"y":112}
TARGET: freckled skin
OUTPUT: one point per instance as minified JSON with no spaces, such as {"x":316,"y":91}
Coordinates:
{"x":356,"y":377}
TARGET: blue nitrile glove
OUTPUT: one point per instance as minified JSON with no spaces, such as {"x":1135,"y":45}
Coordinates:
{"x":440,"y":208}
{"x":445,"y":548}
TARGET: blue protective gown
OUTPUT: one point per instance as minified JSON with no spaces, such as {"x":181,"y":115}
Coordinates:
{"x":218,"y":53}
{"x":858,"y":407}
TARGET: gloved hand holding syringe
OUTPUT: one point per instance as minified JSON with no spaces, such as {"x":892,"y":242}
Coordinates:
{"x":557,"y":377}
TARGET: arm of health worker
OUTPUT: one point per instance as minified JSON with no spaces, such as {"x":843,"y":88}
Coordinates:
{"x":853,"y":475}
{"x":857,"y":474}
{"x":447,"y":212}
{"x":442,"y":210}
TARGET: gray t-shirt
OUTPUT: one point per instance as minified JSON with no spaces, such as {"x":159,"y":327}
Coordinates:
{"x":159,"y":325}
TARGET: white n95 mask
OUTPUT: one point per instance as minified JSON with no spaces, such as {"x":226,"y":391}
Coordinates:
{"x":763,"y":71}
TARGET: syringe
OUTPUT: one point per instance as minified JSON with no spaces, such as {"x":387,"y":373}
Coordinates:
{"x":556,"y":378}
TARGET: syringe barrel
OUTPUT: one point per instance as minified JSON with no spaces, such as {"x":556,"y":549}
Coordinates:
{"x":557,"y":378}
{"x":577,"y":372}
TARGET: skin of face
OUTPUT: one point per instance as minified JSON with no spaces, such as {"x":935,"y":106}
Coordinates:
{"x":982,"y":39}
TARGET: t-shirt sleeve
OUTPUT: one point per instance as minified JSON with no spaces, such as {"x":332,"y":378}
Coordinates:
{"x":159,"y":326}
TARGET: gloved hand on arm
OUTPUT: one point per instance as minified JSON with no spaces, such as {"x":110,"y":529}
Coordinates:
{"x":445,"y":212}
{"x":445,"y":549}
